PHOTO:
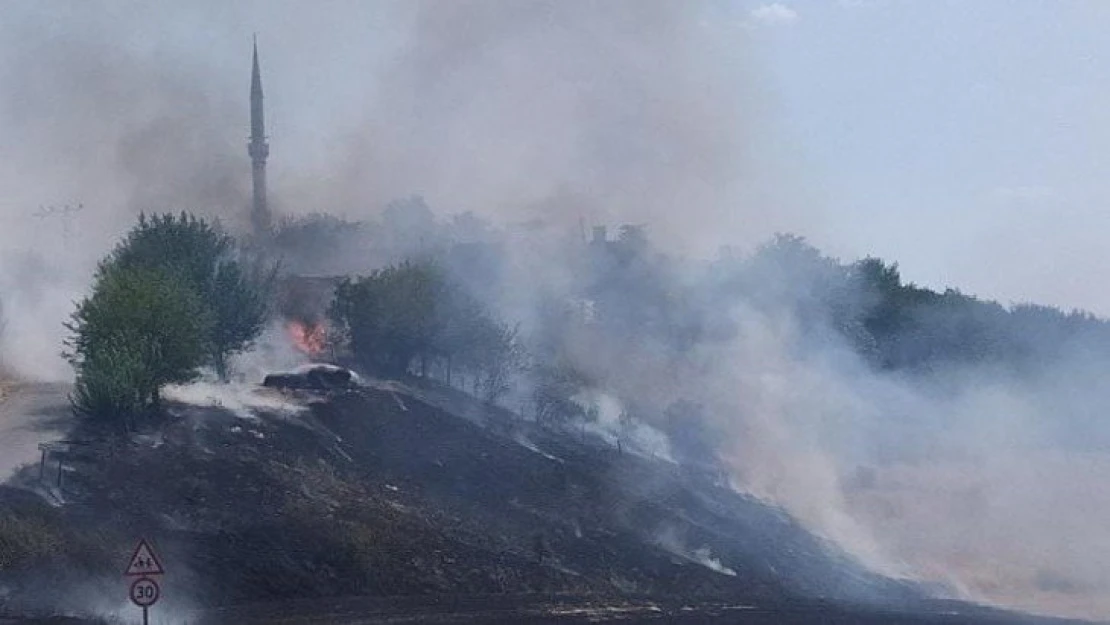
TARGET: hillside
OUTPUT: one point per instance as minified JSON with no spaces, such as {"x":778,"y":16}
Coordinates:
{"x":377,"y":492}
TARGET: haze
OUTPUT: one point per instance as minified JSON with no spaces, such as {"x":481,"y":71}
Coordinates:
{"x":964,"y":140}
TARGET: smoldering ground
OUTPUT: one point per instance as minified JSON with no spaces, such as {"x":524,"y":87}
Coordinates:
{"x":983,"y":480}
{"x":553,"y":114}
{"x":977,"y":482}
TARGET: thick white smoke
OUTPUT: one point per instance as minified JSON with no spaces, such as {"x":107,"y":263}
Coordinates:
{"x":985,"y":483}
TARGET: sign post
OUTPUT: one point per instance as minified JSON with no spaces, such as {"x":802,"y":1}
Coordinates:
{"x":144,"y":591}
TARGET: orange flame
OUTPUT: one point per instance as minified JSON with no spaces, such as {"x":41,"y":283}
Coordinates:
{"x":308,"y":338}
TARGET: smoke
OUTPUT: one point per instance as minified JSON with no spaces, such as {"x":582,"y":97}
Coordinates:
{"x":95,"y":121}
{"x":103,"y":598}
{"x":613,"y":425}
{"x":242,"y":400}
{"x":670,"y":540}
{"x":705,"y":557}
{"x":547,"y":115}
{"x":981,"y":481}
{"x":544,"y":117}
{"x":554,"y":112}
{"x":547,"y":112}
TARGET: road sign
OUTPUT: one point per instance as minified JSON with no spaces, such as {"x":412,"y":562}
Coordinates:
{"x":144,"y":562}
{"x":145,"y":592}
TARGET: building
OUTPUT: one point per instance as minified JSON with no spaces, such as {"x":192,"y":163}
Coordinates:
{"x":259,"y":150}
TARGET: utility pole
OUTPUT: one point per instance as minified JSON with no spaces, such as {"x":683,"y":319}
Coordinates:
{"x":66,"y":213}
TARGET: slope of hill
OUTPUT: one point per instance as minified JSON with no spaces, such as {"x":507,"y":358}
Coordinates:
{"x":380,"y":492}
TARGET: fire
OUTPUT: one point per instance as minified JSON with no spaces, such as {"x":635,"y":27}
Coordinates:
{"x":309,"y":338}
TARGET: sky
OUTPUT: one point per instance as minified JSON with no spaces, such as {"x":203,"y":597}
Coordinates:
{"x":965,"y":140}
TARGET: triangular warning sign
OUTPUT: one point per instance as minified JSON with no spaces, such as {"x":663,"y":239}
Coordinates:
{"x":144,"y":562}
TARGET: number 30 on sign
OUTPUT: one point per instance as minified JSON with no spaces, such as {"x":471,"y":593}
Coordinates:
{"x":145,"y":592}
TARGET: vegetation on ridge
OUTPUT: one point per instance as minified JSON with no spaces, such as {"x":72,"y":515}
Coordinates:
{"x":175,"y":295}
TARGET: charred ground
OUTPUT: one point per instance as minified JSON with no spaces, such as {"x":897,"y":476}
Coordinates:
{"x":380,"y":492}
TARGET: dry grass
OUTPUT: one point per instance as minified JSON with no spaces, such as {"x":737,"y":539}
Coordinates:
{"x":27,"y":537}
{"x":35,"y":536}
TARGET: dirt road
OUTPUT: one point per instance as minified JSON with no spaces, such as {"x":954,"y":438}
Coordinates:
{"x":31,"y":414}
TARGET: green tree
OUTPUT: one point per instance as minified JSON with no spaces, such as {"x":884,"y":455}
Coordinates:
{"x":388,"y":317}
{"x":139,"y":330}
{"x":412,"y":315}
{"x":236,"y":290}
{"x":493,"y":355}
{"x":240,"y":305}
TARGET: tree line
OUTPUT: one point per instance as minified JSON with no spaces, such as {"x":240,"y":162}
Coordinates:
{"x":632,"y":301}
{"x":411,"y":318}
{"x":897,"y":325}
{"x":179,"y":295}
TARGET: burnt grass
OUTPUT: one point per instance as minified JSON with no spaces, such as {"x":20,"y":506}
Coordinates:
{"x":381,"y":492}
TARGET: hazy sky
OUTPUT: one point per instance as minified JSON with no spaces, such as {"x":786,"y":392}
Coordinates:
{"x":966,"y":140}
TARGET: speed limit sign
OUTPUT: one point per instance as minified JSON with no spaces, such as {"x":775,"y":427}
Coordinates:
{"x":145,"y":592}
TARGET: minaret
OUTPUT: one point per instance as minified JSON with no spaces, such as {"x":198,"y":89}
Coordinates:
{"x":258,"y":150}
